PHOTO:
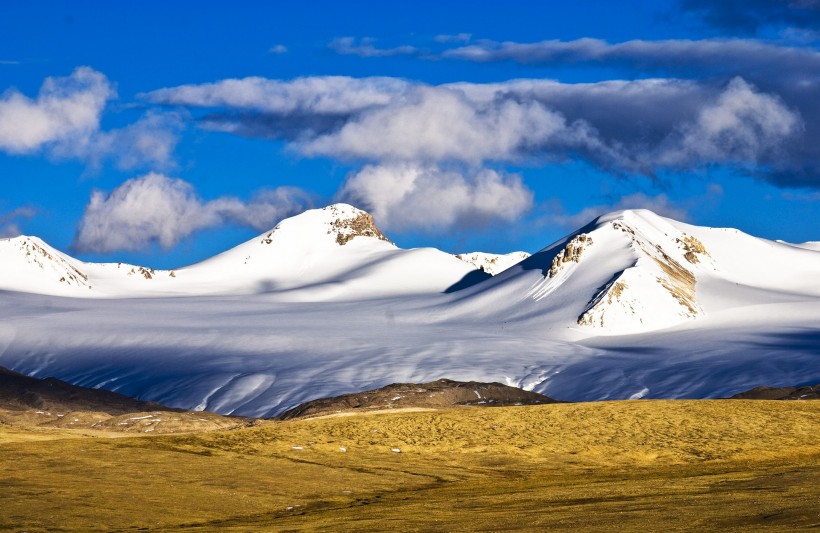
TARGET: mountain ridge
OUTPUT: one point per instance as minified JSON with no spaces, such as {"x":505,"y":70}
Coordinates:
{"x":632,"y":305}
{"x":317,"y":247}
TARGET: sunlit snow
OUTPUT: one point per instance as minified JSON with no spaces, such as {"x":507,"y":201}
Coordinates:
{"x":294,"y":315}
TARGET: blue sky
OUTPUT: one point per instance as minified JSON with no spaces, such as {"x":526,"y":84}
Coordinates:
{"x":163,"y":133}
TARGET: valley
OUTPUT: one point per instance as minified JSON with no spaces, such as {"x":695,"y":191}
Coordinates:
{"x":728,"y":465}
{"x":632,"y":305}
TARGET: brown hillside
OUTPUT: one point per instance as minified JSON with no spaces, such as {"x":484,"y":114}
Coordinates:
{"x":433,"y":395}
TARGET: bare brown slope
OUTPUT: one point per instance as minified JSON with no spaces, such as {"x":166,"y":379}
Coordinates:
{"x":52,"y":403}
{"x":21,"y":392}
{"x":433,"y":395}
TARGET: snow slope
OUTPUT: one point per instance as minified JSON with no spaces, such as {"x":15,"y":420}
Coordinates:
{"x":493,"y":263}
{"x":321,"y":254}
{"x":27,"y":264}
{"x":811,"y":245}
{"x":634,"y":272}
{"x":631,"y":305}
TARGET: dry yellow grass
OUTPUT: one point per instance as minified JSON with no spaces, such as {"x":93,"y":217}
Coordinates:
{"x":649,"y":465}
{"x":94,"y":422}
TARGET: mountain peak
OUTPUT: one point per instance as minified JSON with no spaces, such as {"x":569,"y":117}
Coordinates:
{"x":657,"y":286}
{"x":635,"y":218}
{"x":342,"y":222}
{"x":637,"y":270}
{"x":349,"y":222}
{"x":30,"y":264}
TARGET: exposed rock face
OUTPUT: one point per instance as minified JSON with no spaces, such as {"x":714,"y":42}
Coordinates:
{"x":612,"y":294}
{"x":570,"y":253}
{"x":361,"y":225}
{"x":267,"y":239}
{"x":436,"y":394}
{"x":656,"y":289}
{"x":40,"y":256}
{"x":679,"y":281}
{"x":692,"y":247}
{"x":346,"y":224}
{"x":493,"y":263}
{"x":147,"y":273}
{"x":561,"y":266}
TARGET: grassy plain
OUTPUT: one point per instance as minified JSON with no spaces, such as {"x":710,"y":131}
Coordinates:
{"x":636,"y":465}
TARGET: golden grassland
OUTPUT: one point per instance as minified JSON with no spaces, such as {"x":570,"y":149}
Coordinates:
{"x":636,"y":465}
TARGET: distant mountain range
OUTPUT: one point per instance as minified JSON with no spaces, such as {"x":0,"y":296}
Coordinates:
{"x":631,"y":305}
{"x":324,"y":253}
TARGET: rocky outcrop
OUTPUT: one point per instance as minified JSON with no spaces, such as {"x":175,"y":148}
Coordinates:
{"x":362,"y":225}
{"x":493,"y":264}
{"x":38,"y":255}
{"x":571,"y":253}
{"x":693,"y":248}
{"x":434,"y":395}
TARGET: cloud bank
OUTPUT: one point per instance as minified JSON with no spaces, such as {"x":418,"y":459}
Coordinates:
{"x":67,"y":111}
{"x":626,"y":127}
{"x":789,"y":74}
{"x":156,"y":209}
{"x":405,"y":196}
{"x":328,"y":95}
{"x":63,"y":121}
{"x":366,"y":48}
{"x":752,"y":58}
{"x":738,"y":104}
{"x":751,"y":15}
{"x":434,"y":124}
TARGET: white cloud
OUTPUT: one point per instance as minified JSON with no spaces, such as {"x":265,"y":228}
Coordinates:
{"x":645,"y":126}
{"x":436,"y":124}
{"x":264,"y":209}
{"x":278,"y":49}
{"x":659,"y":204}
{"x":150,"y":141}
{"x":67,"y":111}
{"x":157,"y":209}
{"x":788,"y":74}
{"x":813,"y":196}
{"x":403,"y":196}
{"x":9,"y":222}
{"x":712,"y":55}
{"x":317,"y":94}
{"x":639,"y":126}
{"x":741,"y":126}
{"x":64,"y":122}
{"x":453,"y":38}
{"x":366,"y":48}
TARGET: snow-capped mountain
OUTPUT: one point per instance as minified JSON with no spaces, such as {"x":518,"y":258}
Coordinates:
{"x":28,"y":264}
{"x":493,"y":263}
{"x":634,"y":272}
{"x":632,"y":305}
{"x":321,"y":254}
